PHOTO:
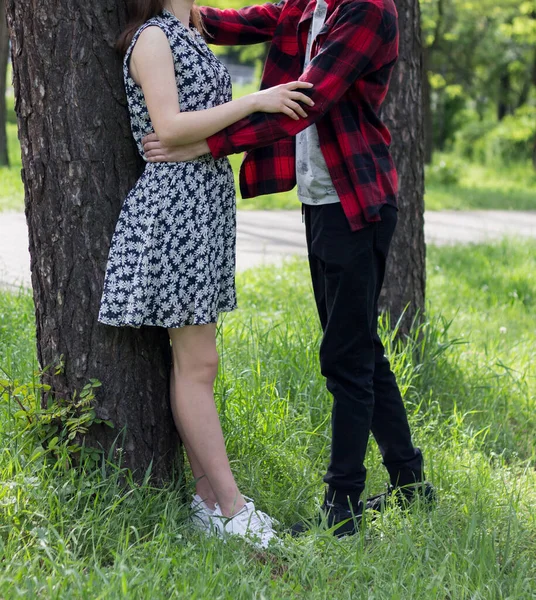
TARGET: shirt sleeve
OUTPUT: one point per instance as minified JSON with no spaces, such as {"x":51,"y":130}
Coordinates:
{"x":349,"y":52}
{"x":249,"y":25}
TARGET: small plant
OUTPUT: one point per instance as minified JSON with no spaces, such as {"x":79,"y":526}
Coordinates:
{"x":57,"y":429}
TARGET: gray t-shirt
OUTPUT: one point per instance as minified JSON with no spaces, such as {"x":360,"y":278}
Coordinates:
{"x":312,"y":175}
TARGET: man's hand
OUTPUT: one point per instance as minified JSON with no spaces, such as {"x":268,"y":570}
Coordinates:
{"x":155,"y":151}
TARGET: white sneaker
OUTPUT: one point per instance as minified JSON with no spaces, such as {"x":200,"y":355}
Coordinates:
{"x":248,"y":523}
{"x":201,"y":514}
{"x":270,"y":520}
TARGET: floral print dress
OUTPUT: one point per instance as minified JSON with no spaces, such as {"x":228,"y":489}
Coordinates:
{"x":172,"y":256}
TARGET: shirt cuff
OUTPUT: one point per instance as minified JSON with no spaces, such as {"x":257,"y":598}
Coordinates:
{"x":220,"y":145}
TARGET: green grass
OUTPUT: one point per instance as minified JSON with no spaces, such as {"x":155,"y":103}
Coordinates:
{"x":483,"y":188}
{"x":17,"y":335}
{"x":470,"y":390}
{"x":11,"y":187}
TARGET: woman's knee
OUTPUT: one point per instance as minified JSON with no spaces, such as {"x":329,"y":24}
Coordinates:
{"x":201,"y":367}
{"x":195,"y":356}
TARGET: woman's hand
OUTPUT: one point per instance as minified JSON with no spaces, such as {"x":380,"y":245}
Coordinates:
{"x":155,"y":151}
{"x":284,"y":99}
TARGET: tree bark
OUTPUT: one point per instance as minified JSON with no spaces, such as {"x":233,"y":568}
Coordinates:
{"x":79,"y":161}
{"x":427,"y":110}
{"x":403,"y":112}
{"x":503,"y":105}
{"x":4,"y":57}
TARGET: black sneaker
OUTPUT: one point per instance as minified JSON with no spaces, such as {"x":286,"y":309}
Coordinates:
{"x":404,"y":496}
{"x":344,"y":519}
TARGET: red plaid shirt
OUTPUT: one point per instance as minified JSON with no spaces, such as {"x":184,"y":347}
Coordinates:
{"x":353,"y":58}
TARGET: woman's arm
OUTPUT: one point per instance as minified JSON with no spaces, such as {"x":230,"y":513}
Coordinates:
{"x":151,"y":67}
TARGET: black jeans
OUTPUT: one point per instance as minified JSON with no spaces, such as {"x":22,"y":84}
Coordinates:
{"x":347,"y":270}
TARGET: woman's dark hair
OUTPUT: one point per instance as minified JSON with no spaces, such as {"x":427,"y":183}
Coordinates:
{"x":140,"y":11}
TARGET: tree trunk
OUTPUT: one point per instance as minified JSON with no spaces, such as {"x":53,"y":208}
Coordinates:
{"x":427,"y":110}
{"x":405,"y":277}
{"x":79,"y":161}
{"x":503,"y":105}
{"x":524,"y":95}
{"x":4,"y":57}
{"x":427,"y":54}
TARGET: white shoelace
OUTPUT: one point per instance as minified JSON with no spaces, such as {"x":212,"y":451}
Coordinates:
{"x":268,"y":520}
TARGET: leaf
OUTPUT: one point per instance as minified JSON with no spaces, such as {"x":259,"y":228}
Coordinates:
{"x":36,"y":454}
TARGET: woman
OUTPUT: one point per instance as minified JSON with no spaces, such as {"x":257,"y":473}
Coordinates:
{"x":172,"y":256}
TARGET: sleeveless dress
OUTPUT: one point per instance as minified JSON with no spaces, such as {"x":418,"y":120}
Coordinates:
{"x":172,"y":256}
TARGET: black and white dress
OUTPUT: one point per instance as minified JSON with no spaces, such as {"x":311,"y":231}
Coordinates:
{"x":172,"y":255}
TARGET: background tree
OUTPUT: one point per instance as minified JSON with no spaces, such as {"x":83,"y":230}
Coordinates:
{"x":79,"y":161}
{"x":4,"y":57}
{"x":479,"y":59}
{"x":406,"y":276}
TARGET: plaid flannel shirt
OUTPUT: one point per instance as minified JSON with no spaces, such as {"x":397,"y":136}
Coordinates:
{"x":352,"y":60}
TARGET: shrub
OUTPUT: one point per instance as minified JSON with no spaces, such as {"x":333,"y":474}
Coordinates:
{"x":469,"y":135}
{"x":512,"y":140}
{"x":447,"y":171}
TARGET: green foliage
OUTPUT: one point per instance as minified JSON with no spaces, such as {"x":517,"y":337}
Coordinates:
{"x":54,"y":431}
{"x":511,"y":140}
{"x":446,"y":172}
{"x":479,"y":55}
{"x":468,"y":136}
{"x":494,"y":144}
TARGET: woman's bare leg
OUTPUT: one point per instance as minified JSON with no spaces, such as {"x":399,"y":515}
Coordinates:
{"x":202,"y":484}
{"x":195,"y":365}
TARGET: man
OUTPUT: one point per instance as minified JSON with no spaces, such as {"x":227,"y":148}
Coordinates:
{"x":339,"y":157}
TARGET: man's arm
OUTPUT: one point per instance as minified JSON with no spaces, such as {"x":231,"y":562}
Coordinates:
{"x":349,"y":52}
{"x":250,"y":25}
